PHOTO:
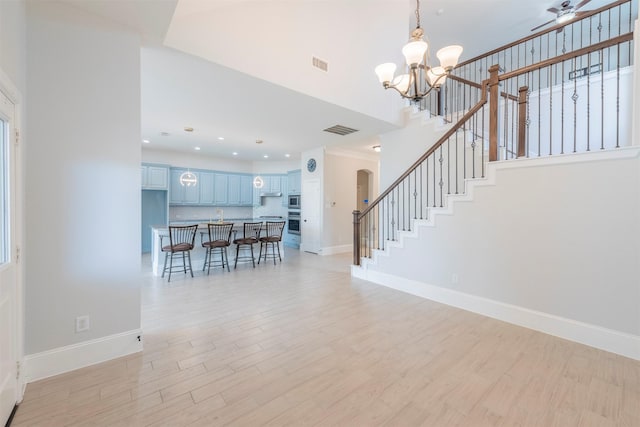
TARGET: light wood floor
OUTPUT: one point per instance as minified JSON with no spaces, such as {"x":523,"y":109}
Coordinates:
{"x":302,"y":343}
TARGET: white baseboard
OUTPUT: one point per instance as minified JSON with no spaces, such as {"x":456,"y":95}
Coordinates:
{"x":595,"y":336}
{"x":68,"y":358}
{"x":333,"y":250}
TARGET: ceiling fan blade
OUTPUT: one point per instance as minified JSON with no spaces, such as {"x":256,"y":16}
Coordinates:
{"x":582,"y":3}
{"x":540,"y":26}
{"x":553,"y":10}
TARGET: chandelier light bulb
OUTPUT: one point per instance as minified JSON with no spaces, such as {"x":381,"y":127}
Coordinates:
{"x":449,"y":56}
{"x":414,"y":51}
{"x":402,"y":82}
{"x":436,"y":76}
{"x":386,"y":71}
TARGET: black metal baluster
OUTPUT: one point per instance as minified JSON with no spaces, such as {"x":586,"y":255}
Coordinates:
{"x":441,"y":183}
{"x":482,"y":148}
{"x":562,"y":111}
{"x":448,"y":166}
{"x":588,"y":101}
{"x":434,"y":180}
{"x":574,"y":97}
{"x":618,"y":99}
{"x":551,"y":110}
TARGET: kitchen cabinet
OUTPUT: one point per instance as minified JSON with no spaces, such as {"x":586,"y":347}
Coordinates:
{"x":273,"y":183}
{"x":221,"y":189}
{"x":207,"y":188}
{"x":246,"y":190}
{"x":295,"y":182}
{"x":181,"y":194}
{"x":240,"y":189}
{"x":154,"y":177}
{"x":284,"y":187}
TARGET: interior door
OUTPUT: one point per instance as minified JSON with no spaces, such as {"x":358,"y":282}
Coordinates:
{"x":311,"y":217}
{"x":8,"y":261}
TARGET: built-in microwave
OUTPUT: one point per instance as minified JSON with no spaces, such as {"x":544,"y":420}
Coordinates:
{"x":294,"y":201}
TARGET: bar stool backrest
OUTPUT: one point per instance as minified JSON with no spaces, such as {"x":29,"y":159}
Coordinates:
{"x":252,"y":230}
{"x":220,"y":232}
{"x":182,"y":237}
{"x":275,"y":228}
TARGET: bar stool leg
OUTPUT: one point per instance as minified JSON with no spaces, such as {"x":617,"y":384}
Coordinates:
{"x":190,"y":269}
{"x":226,"y":255}
{"x":166,"y":255}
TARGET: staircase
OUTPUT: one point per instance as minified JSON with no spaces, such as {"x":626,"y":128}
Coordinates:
{"x":526,"y":208}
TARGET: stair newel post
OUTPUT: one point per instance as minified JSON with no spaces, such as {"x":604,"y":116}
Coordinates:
{"x":493,"y":112}
{"x":522,"y":120}
{"x":356,"y":237}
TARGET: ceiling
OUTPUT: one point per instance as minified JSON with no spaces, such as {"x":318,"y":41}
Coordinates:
{"x":241,"y":69}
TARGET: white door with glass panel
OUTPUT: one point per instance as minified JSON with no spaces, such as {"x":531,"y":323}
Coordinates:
{"x":8,"y":261}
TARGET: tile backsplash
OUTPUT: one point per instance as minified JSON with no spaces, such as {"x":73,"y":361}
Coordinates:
{"x":187,"y":213}
{"x":271,"y":206}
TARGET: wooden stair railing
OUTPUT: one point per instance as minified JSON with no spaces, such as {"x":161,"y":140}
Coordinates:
{"x":490,"y":92}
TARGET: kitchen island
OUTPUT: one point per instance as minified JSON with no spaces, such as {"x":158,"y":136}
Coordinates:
{"x":160,"y":237}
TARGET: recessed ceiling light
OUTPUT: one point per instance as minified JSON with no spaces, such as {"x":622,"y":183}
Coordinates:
{"x":165,"y":133}
{"x":188,"y":129}
{"x":196,"y":148}
{"x":234,"y":153}
{"x":259,"y":141}
{"x":146,"y":141}
{"x":221,"y":138}
{"x":376,"y":148}
{"x":266,"y":156}
{"x":287,"y":155}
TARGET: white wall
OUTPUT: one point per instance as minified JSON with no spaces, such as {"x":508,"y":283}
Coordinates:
{"x":12,"y":42}
{"x":401,"y":148}
{"x":83,"y":177}
{"x":557,"y":238}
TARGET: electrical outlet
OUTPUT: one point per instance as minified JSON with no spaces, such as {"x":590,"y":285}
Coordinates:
{"x":454,"y":278}
{"x":82,"y":324}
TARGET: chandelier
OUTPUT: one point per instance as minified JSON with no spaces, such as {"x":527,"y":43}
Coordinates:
{"x":420,"y":78}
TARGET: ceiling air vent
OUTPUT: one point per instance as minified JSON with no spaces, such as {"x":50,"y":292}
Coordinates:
{"x":340,"y":130}
{"x":319,"y":63}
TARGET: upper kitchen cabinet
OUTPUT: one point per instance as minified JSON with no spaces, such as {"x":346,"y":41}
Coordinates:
{"x":154,"y":177}
{"x":181,"y":194}
{"x":207,"y":184}
{"x":240,"y":190}
{"x":295,"y":181}
{"x":221,"y":189}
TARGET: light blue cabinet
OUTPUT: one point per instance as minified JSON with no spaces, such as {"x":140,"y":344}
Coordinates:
{"x":154,"y":177}
{"x":246,"y":190}
{"x":181,"y":194}
{"x":221,"y":189}
{"x":207,"y":188}
{"x":234,"y":187}
{"x":295,"y":181}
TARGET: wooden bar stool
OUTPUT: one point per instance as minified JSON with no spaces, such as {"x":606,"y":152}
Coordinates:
{"x":251,"y":236}
{"x":273,"y":237}
{"x":219,"y":240}
{"x":181,"y":240}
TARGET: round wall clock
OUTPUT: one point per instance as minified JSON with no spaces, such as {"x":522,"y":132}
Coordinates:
{"x":311,"y":165}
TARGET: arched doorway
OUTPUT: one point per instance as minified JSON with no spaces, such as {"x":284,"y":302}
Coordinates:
{"x":364,"y":190}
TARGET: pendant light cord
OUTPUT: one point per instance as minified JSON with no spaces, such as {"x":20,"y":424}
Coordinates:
{"x":417,"y":13}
